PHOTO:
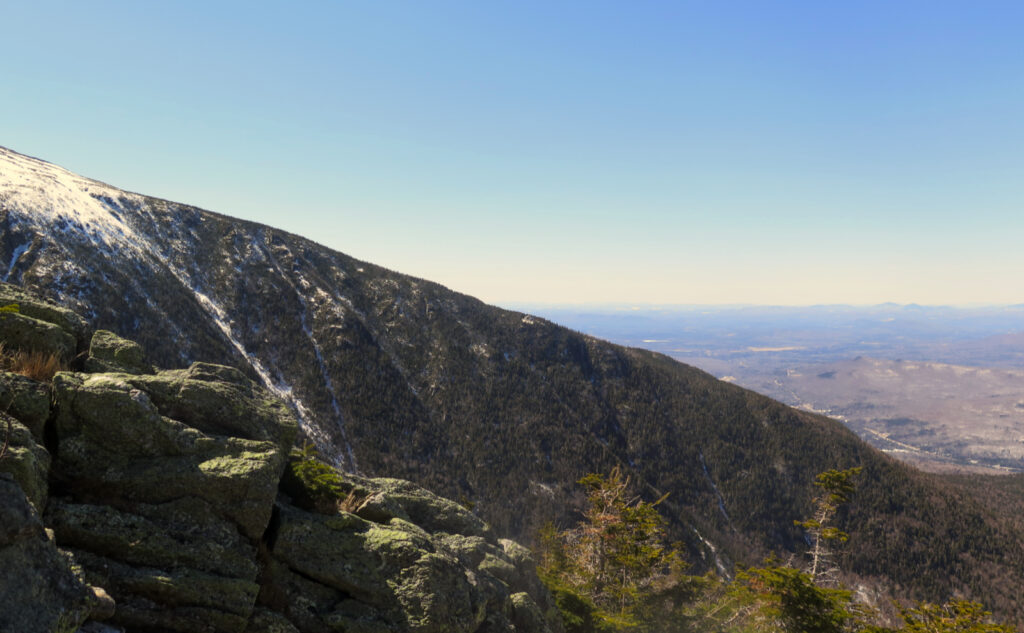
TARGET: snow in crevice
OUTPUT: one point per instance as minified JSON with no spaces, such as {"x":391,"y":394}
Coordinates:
{"x":722,"y":568}
{"x":718,"y":494}
{"x":15,"y":256}
{"x":278,"y":387}
{"x":318,"y":352}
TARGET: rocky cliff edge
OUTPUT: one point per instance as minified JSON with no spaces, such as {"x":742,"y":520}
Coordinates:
{"x":133,"y":499}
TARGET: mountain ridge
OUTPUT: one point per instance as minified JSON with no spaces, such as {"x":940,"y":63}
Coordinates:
{"x":400,"y":376}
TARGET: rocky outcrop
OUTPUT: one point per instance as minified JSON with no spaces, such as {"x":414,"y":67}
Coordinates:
{"x":141,"y":500}
{"x":38,"y":590}
{"x":110,"y":352}
{"x":166,"y":516}
{"x":403,"y":560}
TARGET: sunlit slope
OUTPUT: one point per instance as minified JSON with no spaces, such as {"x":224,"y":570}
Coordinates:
{"x":398,"y":376}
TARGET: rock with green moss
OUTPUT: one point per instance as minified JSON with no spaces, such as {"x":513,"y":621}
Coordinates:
{"x":523,"y":577}
{"x":168,"y":483}
{"x":526,"y":615}
{"x":39,"y":590}
{"x":32,"y":306}
{"x":394,"y":571}
{"x":172,"y":499}
{"x":267,"y":621}
{"x":177,"y":599}
{"x":27,"y":400}
{"x":26,"y":461}
{"x":426,"y":509}
{"x":345,"y":552}
{"x":221,"y":401}
{"x":116,"y":444}
{"x":21,"y":332}
{"x":108,"y":352}
{"x":341,"y":572}
{"x":185,"y":532}
{"x":404,"y":560}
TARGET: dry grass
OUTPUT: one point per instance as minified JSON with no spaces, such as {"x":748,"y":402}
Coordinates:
{"x":351,"y":503}
{"x":39,"y":366}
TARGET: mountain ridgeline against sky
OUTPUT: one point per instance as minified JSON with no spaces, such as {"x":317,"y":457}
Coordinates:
{"x":396,"y":376}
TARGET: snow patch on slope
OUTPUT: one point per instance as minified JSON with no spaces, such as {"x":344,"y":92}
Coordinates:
{"x":722,"y":568}
{"x":278,"y":387}
{"x":15,"y":256}
{"x":36,"y":188}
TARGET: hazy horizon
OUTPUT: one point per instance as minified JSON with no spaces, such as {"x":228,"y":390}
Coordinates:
{"x":535,"y":153}
{"x":654,"y":307}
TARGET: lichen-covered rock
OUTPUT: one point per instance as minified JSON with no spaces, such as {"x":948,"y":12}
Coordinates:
{"x":393,"y":570}
{"x":168,"y":483}
{"x":346,"y":552}
{"x":27,"y":400}
{"x":184,"y":532}
{"x":523,"y":577}
{"x":26,"y":461}
{"x":115,"y":443}
{"x":169,"y":507}
{"x":306,"y":603}
{"x":380,"y":508}
{"x":427,"y":510}
{"x":221,"y":401}
{"x":38,"y":589}
{"x":22,"y":332}
{"x":36,"y":308}
{"x":267,"y":621}
{"x":108,"y":352}
{"x":405,"y":560}
{"x":526,"y":615}
{"x":177,"y":599}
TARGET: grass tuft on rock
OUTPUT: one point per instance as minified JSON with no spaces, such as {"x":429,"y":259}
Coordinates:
{"x":36,"y":365}
{"x":315,"y":485}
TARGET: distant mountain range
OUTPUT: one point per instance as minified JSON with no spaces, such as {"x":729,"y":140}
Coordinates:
{"x":393,"y":375}
{"x":937,"y":386}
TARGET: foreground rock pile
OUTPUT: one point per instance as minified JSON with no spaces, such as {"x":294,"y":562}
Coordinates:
{"x":141,"y":500}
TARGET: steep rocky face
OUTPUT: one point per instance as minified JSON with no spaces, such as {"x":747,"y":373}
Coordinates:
{"x":39,"y":590}
{"x":151,"y":500}
{"x":392,"y":375}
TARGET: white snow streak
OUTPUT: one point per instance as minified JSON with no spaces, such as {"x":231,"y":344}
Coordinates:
{"x":714,"y":552}
{"x":278,"y":387}
{"x":15,"y":256}
{"x":324,"y":374}
{"x":721,"y":500}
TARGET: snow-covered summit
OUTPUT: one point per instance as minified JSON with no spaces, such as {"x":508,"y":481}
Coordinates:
{"x":57,"y":197}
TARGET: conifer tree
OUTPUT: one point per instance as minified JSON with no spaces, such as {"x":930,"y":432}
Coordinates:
{"x":836,"y":489}
{"x":956,"y":616}
{"x":616,"y":559}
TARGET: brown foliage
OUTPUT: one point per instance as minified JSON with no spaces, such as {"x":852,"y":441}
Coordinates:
{"x":39,"y":366}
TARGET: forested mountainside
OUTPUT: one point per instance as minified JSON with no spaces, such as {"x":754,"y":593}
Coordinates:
{"x":175,"y":501}
{"x":398,"y":376}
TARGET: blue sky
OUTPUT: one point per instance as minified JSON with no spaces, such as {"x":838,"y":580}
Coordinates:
{"x":528,"y":152}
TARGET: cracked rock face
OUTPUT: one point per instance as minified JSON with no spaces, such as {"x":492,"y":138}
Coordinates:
{"x":167,"y":515}
{"x":141,"y":500}
{"x":40,"y":592}
{"x":341,"y":572}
